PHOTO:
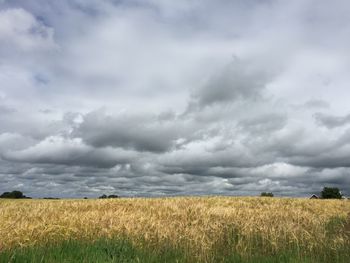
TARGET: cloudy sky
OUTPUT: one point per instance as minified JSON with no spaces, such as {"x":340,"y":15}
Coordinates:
{"x":163,"y":97}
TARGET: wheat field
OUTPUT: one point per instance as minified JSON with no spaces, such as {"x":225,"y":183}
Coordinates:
{"x":198,"y":223}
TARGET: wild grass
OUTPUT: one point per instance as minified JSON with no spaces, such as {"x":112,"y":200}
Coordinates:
{"x":203,"y":229}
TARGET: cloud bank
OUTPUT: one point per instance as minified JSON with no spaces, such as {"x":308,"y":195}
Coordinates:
{"x":153,"y":98}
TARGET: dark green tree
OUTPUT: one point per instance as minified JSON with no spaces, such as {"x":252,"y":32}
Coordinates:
{"x":266,"y":194}
{"x":113,"y":196}
{"x":13,"y":195}
{"x":109,"y":196}
{"x":331,"y":193}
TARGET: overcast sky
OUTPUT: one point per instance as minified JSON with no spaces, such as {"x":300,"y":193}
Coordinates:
{"x":185,"y":97}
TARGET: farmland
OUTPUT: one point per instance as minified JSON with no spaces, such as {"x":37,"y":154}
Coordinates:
{"x":186,"y":229}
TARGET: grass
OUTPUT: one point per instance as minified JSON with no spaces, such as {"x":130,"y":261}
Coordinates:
{"x":123,"y":251}
{"x":116,"y":250}
{"x":206,"y":229}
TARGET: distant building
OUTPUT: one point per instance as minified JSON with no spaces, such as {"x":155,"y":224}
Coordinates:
{"x":314,"y":197}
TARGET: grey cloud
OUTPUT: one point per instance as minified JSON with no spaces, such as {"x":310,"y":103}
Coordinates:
{"x":57,"y":150}
{"x":331,"y":121}
{"x":200,"y":161}
{"x":21,"y":30}
{"x":332,"y":159}
{"x":142,"y":133}
{"x":167,"y":116}
{"x":14,"y":141}
{"x":238,"y":80}
{"x":6,"y":110}
{"x":314,"y":104}
{"x":266,"y":123}
{"x":32,"y":126}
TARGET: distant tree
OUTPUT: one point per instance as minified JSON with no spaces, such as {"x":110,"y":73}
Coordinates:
{"x":109,"y":196}
{"x":331,"y":193}
{"x":266,"y":194}
{"x":5,"y":195}
{"x":13,"y":195}
{"x":113,"y":196}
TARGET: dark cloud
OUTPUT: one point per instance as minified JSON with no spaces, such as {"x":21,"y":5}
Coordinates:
{"x":142,"y":133}
{"x":237,"y":81}
{"x":331,"y":121}
{"x":56,"y":150}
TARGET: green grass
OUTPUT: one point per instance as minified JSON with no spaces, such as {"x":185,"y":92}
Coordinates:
{"x":121,"y":250}
{"x":78,"y":251}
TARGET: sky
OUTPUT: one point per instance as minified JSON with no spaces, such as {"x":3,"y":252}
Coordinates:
{"x":186,"y":97}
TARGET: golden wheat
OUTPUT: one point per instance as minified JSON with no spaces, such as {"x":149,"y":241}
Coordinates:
{"x":195,"y":222}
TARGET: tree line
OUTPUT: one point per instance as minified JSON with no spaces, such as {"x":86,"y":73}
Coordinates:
{"x":326,"y":193}
{"x":19,"y":195}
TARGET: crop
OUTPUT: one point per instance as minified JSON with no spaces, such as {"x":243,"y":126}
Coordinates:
{"x":204,"y":226}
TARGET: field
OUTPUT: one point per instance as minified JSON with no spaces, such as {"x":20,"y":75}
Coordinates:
{"x":183,"y":229}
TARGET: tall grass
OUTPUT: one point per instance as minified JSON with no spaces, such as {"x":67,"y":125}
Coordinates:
{"x":207,"y":229}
